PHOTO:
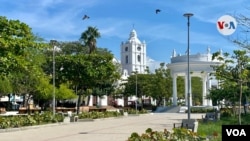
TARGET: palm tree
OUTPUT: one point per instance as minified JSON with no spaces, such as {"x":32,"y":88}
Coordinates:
{"x":89,"y":38}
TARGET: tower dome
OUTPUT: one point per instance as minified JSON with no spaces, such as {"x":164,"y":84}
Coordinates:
{"x":133,"y":37}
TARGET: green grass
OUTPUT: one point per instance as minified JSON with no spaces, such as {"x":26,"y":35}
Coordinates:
{"x":213,"y":129}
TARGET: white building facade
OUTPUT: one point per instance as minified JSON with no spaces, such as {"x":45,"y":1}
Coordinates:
{"x":133,"y":54}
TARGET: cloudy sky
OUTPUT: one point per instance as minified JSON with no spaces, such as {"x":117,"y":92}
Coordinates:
{"x":163,"y":32}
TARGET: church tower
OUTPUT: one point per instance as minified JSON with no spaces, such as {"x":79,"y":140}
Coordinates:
{"x":133,"y":54}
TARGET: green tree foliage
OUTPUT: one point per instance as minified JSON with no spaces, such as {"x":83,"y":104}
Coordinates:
{"x":74,"y":47}
{"x":157,"y":86}
{"x":233,"y":73}
{"x":65,"y":93}
{"x":162,"y":84}
{"x":86,"y":71}
{"x":44,"y":90}
{"x":84,"y":67}
{"x":89,"y":38}
{"x":141,"y":81}
{"x":181,"y":87}
{"x":16,"y":41}
{"x":196,"y":90}
{"x":5,"y":85}
{"x":20,"y":55}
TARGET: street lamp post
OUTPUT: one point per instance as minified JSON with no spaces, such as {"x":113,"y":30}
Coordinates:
{"x":53,"y":75}
{"x":188,"y":15}
{"x":136,"y":90}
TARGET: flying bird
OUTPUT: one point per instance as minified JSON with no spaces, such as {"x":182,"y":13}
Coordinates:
{"x":157,"y":11}
{"x":85,"y":17}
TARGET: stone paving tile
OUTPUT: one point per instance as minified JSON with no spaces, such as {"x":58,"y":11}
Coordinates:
{"x":116,"y":129}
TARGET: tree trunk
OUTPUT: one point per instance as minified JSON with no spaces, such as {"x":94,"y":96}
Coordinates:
{"x":159,"y":101}
{"x":78,"y":103}
{"x":240,"y":102}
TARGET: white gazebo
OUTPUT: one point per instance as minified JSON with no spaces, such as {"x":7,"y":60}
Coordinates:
{"x":200,"y":66}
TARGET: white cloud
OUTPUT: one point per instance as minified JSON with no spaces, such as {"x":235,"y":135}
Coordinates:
{"x":152,"y":64}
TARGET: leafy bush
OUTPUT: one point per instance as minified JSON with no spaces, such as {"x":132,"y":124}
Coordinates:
{"x":95,"y":115}
{"x":14,"y":121}
{"x":226,"y":112}
{"x":133,"y":111}
{"x":207,"y":109}
{"x":178,"y":134}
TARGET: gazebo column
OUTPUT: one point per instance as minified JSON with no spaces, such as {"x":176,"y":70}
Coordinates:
{"x":186,"y":90}
{"x":209,"y":86}
{"x":204,"y":90}
{"x":174,"y":90}
{"x":91,"y":100}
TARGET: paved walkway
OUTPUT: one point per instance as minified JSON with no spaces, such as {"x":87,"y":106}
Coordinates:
{"x":116,"y":129}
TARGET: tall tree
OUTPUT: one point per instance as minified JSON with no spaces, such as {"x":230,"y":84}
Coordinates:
{"x":233,"y":70}
{"x":20,"y":55}
{"x":16,"y":41}
{"x":242,"y":39}
{"x":86,"y":73}
{"x":157,"y":86}
{"x":162,"y":84}
{"x":89,"y":38}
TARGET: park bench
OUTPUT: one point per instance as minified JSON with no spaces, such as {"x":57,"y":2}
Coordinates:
{"x":24,"y":110}
{"x":191,"y":124}
{"x":65,"y":109}
{"x":212,"y":116}
{"x":97,"y":109}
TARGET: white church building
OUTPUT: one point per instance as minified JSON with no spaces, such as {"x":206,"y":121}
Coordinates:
{"x":133,"y":54}
{"x":134,"y":59}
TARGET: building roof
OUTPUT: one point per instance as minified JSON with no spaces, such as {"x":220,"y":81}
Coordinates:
{"x":133,"y":37}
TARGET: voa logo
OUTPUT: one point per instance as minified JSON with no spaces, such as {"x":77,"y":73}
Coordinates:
{"x":226,"y":25}
{"x":236,"y":132}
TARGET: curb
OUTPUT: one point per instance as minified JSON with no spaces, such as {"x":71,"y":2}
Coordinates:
{"x":30,"y":127}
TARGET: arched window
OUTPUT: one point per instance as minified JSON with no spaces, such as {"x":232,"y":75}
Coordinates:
{"x":126,"y":48}
{"x":138,"y":58}
{"x":126,"y":59}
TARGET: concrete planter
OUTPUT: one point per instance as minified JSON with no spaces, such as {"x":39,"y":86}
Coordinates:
{"x":66,"y":120}
{"x":125,"y":113}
